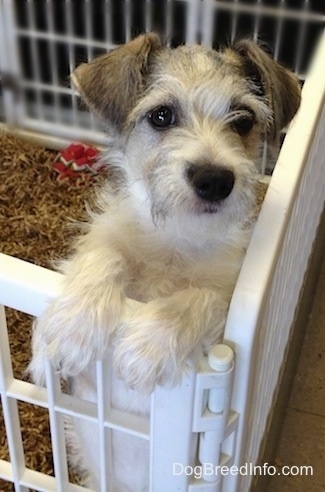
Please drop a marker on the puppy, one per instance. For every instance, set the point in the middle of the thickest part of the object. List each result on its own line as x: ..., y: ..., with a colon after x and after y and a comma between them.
x: 153, y: 275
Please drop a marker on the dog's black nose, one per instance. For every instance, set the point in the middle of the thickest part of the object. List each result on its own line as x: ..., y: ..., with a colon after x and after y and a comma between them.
x: 211, y: 184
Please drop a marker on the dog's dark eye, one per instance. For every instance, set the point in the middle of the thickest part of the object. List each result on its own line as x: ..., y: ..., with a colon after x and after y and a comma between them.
x: 162, y: 117
x: 243, y: 124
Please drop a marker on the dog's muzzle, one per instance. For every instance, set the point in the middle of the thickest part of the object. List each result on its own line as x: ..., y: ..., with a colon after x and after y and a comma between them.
x: 209, y: 183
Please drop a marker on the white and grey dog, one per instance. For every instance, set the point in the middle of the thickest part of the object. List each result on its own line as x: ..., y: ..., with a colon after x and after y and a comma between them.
x: 154, y: 274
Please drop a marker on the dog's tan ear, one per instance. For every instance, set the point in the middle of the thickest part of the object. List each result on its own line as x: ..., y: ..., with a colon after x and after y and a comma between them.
x: 110, y: 84
x: 280, y: 87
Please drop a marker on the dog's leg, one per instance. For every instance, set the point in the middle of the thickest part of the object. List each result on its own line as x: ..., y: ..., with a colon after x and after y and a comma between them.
x: 77, y: 327
x: 160, y: 342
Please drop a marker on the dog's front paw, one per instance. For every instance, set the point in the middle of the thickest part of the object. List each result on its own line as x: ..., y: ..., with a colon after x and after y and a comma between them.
x: 68, y: 351
x: 165, y: 337
x: 72, y: 337
x: 153, y: 351
x: 143, y: 356
x: 68, y: 339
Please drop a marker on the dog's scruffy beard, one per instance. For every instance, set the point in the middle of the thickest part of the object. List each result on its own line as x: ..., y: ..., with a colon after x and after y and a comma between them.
x: 164, y: 199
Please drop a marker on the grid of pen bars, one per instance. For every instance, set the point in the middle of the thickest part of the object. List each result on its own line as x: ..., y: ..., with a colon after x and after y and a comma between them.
x: 194, y: 415
x: 41, y: 42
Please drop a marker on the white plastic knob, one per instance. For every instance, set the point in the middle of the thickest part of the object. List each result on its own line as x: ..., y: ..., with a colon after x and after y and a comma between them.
x: 220, y: 357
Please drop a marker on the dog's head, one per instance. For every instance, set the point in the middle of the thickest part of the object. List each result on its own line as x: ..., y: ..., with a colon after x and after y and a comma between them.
x: 190, y: 121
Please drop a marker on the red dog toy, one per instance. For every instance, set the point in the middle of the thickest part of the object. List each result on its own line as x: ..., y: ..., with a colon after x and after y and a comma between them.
x: 78, y: 163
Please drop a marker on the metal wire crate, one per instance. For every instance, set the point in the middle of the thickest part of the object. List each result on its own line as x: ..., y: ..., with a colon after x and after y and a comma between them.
x: 41, y: 42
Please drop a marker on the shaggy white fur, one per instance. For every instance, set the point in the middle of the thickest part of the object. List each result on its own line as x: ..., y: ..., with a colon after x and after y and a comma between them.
x: 151, y: 279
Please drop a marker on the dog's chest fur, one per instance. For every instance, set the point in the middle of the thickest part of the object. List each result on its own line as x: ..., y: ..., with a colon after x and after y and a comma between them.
x: 158, y: 276
x: 160, y: 261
